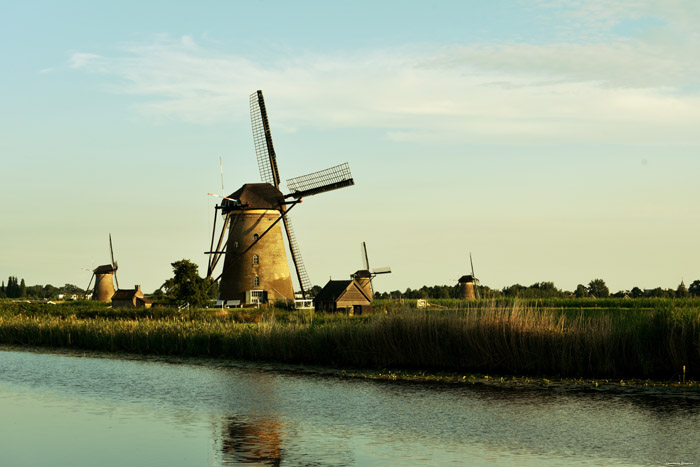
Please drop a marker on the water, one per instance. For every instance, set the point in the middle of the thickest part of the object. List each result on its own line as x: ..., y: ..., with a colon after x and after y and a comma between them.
x: 62, y: 410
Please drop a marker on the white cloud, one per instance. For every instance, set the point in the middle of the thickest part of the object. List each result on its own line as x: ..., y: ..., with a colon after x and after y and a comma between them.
x: 82, y: 60
x: 622, y: 89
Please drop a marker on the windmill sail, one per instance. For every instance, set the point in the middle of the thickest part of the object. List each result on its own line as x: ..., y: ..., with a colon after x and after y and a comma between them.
x: 329, y: 179
x: 365, y: 258
x: 114, y: 263
x: 302, y: 276
x: 262, y: 138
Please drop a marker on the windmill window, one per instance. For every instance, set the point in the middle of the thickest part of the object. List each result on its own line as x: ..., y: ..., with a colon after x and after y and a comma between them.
x: 256, y: 259
x: 256, y: 237
x: 256, y: 282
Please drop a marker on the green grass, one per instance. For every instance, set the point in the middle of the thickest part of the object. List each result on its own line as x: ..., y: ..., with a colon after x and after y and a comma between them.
x: 595, y: 338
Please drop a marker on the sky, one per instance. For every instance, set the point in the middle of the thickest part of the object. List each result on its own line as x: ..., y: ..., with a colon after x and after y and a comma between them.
x: 554, y: 140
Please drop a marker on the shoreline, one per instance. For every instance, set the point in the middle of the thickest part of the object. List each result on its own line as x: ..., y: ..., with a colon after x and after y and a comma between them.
x: 689, y: 389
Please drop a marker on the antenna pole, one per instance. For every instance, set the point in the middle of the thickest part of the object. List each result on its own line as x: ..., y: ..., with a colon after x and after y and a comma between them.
x: 221, y: 168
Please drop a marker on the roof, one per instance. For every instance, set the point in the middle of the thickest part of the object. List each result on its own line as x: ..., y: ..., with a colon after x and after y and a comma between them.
x: 259, y: 196
x: 104, y: 269
x: 129, y: 294
x: 467, y: 278
x: 332, y: 290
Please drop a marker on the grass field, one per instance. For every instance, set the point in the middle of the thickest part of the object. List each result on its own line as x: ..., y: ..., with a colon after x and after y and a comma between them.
x: 604, y: 338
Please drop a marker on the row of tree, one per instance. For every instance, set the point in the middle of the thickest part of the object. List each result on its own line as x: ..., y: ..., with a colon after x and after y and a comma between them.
x: 186, y: 286
x: 18, y: 289
x: 595, y: 288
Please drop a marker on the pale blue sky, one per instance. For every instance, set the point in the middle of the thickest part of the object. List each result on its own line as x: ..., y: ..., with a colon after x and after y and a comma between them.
x: 555, y: 140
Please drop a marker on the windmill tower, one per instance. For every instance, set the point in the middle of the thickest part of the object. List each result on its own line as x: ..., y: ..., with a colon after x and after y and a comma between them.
x: 364, y: 276
x: 469, y: 284
x: 255, y: 266
x: 104, y: 286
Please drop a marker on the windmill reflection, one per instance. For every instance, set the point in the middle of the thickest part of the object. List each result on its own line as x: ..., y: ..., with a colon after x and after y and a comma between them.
x: 251, y: 442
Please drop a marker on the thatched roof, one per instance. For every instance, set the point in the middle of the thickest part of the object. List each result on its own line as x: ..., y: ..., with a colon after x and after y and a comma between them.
x: 259, y: 196
x: 467, y: 278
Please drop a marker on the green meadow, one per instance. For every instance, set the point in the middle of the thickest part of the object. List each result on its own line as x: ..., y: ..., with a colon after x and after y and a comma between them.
x: 568, y: 338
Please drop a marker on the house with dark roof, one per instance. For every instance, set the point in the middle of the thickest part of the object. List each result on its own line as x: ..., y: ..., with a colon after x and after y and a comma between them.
x: 345, y: 295
x: 130, y: 298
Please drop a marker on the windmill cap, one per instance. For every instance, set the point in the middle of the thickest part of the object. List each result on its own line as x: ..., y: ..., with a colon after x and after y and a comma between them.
x: 258, y: 196
x: 104, y: 269
x: 362, y: 273
x: 467, y: 278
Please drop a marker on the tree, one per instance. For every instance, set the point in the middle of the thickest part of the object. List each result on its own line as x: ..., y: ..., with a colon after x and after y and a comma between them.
x: 636, y: 292
x: 581, y: 291
x: 598, y: 288
x: 13, y: 289
x: 186, y: 286
x: 22, y: 289
x: 694, y: 288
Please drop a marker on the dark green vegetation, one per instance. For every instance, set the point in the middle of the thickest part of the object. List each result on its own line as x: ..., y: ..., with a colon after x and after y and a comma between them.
x: 576, y: 338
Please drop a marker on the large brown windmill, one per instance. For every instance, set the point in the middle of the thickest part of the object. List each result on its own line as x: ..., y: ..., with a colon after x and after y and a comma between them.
x: 255, y: 266
x: 104, y: 286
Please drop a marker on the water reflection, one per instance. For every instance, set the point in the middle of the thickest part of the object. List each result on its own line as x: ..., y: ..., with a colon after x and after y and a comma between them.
x: 251, y: 442
x: 223, y: 413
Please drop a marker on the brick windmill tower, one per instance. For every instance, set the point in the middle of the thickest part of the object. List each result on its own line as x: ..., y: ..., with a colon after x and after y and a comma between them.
x: 469, y: 284
x: 364, y: 277
x: 103, y: 275
x: 255, y: 266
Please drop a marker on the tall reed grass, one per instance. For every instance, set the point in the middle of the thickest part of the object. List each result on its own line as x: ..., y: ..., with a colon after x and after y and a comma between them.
x: 493, y: 337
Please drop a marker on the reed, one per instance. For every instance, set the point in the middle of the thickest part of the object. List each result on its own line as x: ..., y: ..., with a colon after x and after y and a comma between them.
x: 489, y: 337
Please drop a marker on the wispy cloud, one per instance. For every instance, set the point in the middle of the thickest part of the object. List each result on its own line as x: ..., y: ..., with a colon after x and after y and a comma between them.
x: 605, y: 88
x: 82, y: 60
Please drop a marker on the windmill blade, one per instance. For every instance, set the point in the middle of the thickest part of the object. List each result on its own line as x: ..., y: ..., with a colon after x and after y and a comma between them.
x: 302, y: 276
x: 476, y: 282
x: 111, y: 250
x: 314, y: 183
x: 383, y: 270
x: 115, y: 265
x: 365, y: 258
x: 90, y: 283
x: 262, y: 139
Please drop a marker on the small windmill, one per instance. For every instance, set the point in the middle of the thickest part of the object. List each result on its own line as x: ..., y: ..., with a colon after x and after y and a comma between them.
x: 364, y: 276
x: 469, y: 284
x: 255, y: 266
x: 104, y: 287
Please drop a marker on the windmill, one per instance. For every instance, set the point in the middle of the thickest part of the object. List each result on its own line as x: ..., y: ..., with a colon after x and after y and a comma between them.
x: 469, y: 284
x: 364, y: 276
x: 255, y: 266
x: 104, y: 287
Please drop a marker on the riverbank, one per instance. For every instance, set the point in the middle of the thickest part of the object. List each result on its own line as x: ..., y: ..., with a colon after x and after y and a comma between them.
x: 614, y: 344
x: 690, y: 390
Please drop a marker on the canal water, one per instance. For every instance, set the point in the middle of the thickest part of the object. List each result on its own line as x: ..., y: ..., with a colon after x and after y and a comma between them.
x: 64, y: 410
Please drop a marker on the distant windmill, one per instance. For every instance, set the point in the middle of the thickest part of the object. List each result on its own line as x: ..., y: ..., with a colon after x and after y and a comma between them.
x: 469, y: 284
x: 364, y: 276
x: 104, y: 287
x: 255, y: 266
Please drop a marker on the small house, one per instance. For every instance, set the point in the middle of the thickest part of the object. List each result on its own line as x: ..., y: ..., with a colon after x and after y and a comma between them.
x: 130, y: 298
x: 345, y: 295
